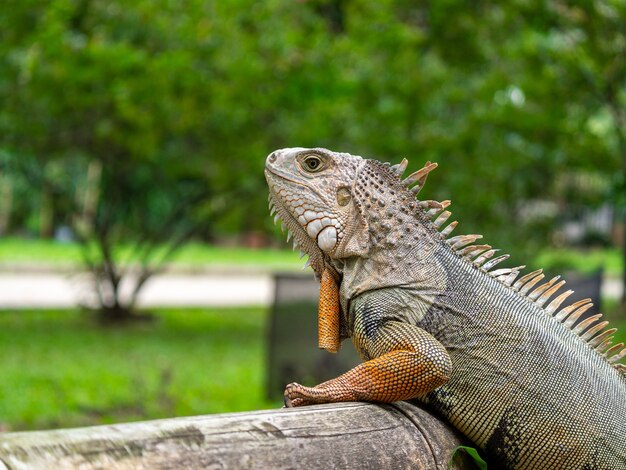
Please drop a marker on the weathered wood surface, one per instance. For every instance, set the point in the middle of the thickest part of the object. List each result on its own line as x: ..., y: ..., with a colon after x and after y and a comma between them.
x: 349, y: 435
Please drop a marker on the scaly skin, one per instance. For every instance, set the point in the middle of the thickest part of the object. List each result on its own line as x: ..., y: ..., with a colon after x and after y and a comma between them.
x: 491, y: 351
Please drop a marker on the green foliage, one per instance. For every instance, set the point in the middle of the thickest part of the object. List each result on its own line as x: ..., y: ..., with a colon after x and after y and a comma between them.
x: 477, y: 460
x: 506, y: 96
x: 189, y: 362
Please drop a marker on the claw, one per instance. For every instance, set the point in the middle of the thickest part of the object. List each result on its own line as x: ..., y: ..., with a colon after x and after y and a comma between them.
x: 298, y: 395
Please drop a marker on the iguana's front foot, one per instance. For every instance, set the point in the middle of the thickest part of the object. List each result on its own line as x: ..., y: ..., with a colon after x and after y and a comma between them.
x: 293, y: 395
x: 327, y: 392
x: 394, y: 376
x: 298, y: 395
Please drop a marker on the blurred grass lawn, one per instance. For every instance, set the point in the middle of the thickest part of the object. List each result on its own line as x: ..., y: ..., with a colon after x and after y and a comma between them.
x: 59, y: 369
x: 16, y: 250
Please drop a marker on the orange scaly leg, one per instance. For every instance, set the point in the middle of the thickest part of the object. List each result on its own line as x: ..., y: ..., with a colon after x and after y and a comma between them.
x: 411, y: 363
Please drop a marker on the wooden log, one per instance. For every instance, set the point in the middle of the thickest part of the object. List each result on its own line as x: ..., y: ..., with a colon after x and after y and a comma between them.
x: 345, y: 435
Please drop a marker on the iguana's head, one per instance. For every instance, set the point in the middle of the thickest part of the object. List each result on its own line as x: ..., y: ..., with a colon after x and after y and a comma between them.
x: 312, y: 191
x: 338, y: 205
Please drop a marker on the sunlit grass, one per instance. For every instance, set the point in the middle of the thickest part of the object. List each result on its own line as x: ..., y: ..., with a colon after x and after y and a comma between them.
x: 16, y: 250
x: 32, y: 250
x: 585, y: 261
x: 59, y: 369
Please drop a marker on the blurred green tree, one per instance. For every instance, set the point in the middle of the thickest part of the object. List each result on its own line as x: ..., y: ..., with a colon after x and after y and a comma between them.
x: 99, y: 106
x: 570, y: 60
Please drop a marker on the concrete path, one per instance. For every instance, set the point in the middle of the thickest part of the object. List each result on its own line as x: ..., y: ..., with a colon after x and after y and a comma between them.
x: 50, y: 290
x: 64, y: 290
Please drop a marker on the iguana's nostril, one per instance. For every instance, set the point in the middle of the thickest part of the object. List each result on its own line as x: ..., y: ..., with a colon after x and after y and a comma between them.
x: 272, y: 157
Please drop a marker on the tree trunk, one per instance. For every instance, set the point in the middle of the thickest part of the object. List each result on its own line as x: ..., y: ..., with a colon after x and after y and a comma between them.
x: 6, y: 203
x: 87, y: 199
x: 344, y: 435
x: 46, y: 213
x: 624, y: 260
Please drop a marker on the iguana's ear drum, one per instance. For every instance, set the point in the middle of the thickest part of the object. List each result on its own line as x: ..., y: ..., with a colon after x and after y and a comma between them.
x: 343, y: 196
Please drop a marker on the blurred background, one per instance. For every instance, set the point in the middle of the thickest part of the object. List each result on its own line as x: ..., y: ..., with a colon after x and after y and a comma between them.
x: 137, y: 255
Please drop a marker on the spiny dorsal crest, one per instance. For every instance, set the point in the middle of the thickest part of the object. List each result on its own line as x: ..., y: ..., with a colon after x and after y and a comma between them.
x: 590, y: 330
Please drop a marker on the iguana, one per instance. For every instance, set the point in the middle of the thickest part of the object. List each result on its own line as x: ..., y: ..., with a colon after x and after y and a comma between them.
x: 493, y: 351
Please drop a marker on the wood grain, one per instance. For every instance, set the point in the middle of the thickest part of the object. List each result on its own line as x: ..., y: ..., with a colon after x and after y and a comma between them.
x: 345, y: 435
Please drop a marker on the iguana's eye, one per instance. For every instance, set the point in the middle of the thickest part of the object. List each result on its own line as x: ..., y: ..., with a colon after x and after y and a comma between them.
x: 312, y: 163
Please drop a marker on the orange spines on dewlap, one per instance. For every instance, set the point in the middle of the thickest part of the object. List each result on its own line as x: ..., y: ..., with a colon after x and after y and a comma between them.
x: 328, y: 322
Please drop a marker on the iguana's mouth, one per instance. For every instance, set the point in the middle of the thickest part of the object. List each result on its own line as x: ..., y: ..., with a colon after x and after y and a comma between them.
x: 301, y: 240
x: 269, y: 170
x: 275, y: 172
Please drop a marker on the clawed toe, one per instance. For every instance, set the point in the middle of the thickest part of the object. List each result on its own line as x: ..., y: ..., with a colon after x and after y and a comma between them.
x: 296, y: 395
